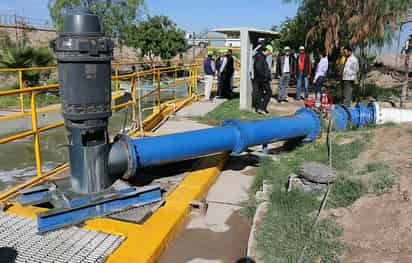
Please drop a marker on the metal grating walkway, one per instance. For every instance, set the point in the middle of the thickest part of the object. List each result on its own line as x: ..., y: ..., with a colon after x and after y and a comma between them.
x: 71, y: 244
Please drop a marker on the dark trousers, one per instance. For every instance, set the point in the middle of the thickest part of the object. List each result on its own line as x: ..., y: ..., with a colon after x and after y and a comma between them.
x: 319, y: 83
x: 261, y: 94
x: 219, y: 87
x: 226, y: 90
x: 347, y: 92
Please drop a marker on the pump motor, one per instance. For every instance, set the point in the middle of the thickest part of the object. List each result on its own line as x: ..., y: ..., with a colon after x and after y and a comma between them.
x: 84, y: 57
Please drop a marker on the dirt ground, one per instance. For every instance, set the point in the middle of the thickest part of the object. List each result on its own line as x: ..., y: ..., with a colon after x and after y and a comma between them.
x: 379, y: 228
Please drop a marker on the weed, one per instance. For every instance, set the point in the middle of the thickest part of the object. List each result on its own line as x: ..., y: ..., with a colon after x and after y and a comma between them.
x: 383, y: 183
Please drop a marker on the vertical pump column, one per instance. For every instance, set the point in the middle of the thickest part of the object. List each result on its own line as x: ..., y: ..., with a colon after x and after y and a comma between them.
x: 84, y: 65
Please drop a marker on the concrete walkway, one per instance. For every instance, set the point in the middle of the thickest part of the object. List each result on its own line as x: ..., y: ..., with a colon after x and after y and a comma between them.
x: 221, y: 235
x: 201, y: 108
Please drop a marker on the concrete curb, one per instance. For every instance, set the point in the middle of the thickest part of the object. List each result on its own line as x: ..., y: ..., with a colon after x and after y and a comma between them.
x: 252, y: 252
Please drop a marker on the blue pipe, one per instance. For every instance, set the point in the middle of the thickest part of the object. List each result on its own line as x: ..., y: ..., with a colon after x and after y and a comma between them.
x: 358, y: 116
x: 233, y: 136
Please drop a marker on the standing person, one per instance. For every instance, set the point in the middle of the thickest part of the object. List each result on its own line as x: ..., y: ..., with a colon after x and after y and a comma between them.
x: 303, y: 71
x: 231, y: 72
x: 284, y: 70
x: 219, y: 63
x: 350, y: 75
x: 340, y: 63
x: 320, y: 75
x: 209, y: 69
x: 226, y: 73
x: 261, y: 81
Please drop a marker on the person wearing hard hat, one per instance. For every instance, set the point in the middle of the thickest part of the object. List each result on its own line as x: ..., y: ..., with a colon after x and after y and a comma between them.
x: 221, y: 75
x: 284, y: 71
x: 303, y: 71
x: 262, y: 76
x: 219, y: 63
x: 209, y: 69
x: 226, y: 73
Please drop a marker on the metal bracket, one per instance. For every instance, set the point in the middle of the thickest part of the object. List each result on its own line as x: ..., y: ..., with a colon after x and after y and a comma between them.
x: 91, y: 207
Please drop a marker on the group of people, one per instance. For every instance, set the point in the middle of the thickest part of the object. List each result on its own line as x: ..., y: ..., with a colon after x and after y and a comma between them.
x: 288, y: 66
x: 224, y: 68
x: 300, y: 67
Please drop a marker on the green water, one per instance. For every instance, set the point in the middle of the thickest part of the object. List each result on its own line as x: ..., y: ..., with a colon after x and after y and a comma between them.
x: 17, y: 161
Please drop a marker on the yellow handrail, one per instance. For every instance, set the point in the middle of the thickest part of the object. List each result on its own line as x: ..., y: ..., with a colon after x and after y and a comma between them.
x: 36, y: 130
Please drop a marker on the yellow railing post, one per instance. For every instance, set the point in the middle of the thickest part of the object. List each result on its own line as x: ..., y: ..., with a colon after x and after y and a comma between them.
x: 21, y: 86
x: 117, y: 84
x: 158, y: 90
x: 190, y: 80
x: 175, y: 75
x: 36, y: 135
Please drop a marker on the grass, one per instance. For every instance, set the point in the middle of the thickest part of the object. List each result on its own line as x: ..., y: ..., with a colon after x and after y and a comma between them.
x: 288, y: 224
x: 229, y: 110
x: 410, y: 131
x: 372, y: 90
x: 383, y: 178
x: 42, y: 100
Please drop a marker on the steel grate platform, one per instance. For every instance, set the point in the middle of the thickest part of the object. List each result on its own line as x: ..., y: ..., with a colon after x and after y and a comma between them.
x: 71, y: 244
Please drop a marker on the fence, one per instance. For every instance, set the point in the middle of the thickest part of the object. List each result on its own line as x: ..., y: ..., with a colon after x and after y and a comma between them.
x: 133, y: 78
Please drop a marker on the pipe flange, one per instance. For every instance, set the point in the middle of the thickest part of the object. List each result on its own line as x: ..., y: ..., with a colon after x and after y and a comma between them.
x: 128, y: 145
x: 241, y: 140
x: 376, y: 111
x: 341, y: 116
x: 363, y: 115
x: 315, y: 131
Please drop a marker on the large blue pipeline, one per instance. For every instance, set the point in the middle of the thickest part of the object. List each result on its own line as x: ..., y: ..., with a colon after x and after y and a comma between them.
x: 234, y: 136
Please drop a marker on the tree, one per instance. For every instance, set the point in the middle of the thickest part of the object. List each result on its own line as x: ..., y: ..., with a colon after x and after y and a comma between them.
x: 158, y: 36
x: 352, y: 22
x: 117, y: 16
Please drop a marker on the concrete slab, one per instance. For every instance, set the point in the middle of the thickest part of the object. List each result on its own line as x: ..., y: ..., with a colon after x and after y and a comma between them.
x: 215, y: 219
x: 201, y: 108
x: 222, y: 234
x: 177, y: 124
x: 231, y: 188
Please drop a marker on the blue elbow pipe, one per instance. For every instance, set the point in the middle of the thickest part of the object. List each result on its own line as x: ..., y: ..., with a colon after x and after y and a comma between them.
x: 233, y: 136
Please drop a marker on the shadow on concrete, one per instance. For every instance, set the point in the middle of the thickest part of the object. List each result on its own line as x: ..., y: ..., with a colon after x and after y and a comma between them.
x: 239, y: 163
x: 149, y: 174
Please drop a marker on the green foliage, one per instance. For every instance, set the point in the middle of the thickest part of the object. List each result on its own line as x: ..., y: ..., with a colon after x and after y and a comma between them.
x: 230, y: 110
x: 24, y: 57
x: 330, y: 24
x: 371, y: 91
x: 117, y: 16
x: 158, y: 36
x: 383, y: 183
x: 346, y: 191
x: 288, y: 224
x: 382, y: 177
x: 43, y: 99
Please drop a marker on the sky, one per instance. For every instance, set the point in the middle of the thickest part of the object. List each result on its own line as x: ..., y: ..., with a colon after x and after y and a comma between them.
x: 191, y: 15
